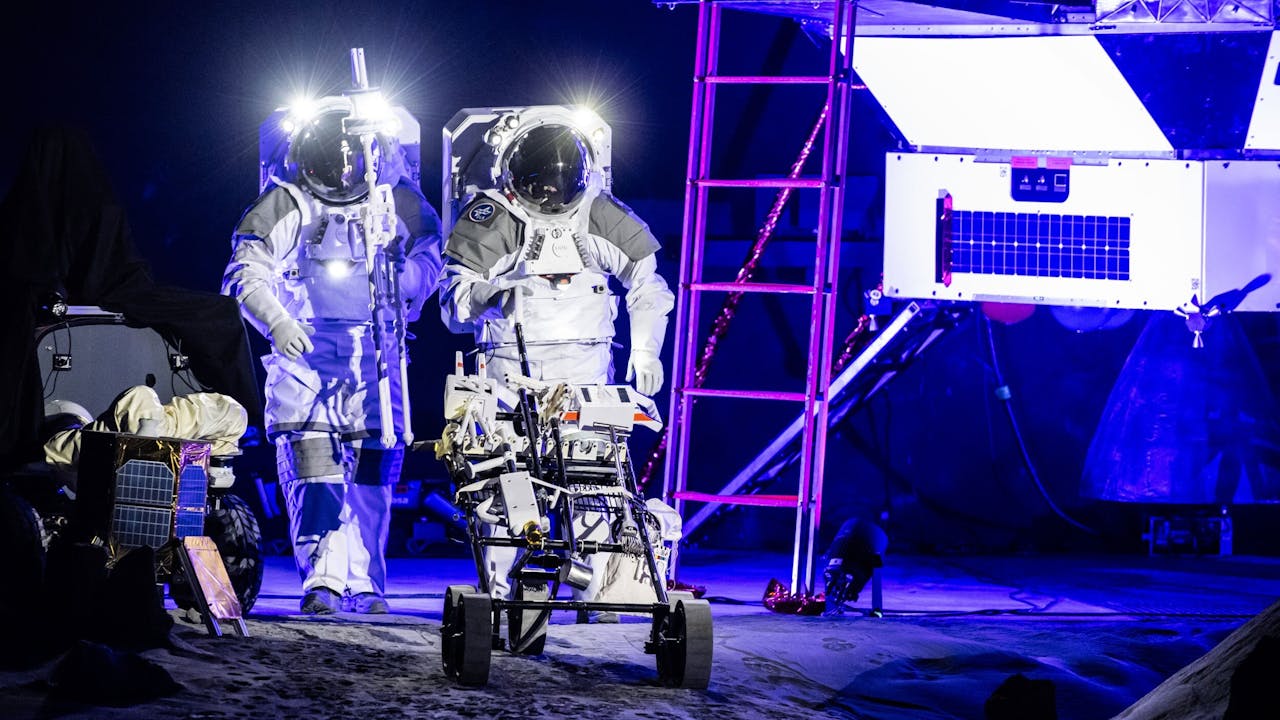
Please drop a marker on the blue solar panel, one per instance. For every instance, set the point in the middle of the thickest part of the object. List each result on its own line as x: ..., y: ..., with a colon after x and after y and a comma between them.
x: 144, y: 482
x: 135, y: 526
x: 192, y: 486
x: 143, y: 512
x: 1037, y: 245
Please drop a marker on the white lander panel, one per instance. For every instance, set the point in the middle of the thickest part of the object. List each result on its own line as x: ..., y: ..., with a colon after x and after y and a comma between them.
x: 1127, y: 233
x: 1040, y: 92
x: 1264, y: 126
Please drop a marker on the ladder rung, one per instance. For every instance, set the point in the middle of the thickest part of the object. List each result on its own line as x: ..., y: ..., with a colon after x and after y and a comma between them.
x: 763, y: 183
x: 737, y: 287
x: 767, y: 79
x: 762, y: 500
x: 745, y: 394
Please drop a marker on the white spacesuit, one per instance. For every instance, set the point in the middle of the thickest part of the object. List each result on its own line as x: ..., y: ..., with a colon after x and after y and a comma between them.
x: 540, y: 250
x: 299, y: 271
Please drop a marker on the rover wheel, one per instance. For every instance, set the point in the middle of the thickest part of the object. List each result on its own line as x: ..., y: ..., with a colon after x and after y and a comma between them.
x: 467, y: 637
x: 685, y: 645
x: 449, y: 632
x: 452, y: 596
x: 22, y: 544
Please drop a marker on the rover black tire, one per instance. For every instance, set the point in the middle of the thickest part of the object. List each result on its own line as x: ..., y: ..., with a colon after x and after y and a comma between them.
x: 467, y: 638
x: 685, y: 645
x: 21, y: 544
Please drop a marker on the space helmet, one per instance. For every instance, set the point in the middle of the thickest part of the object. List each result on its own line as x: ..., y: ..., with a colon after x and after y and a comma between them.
x: 329, y: 162
x: 547, y: 168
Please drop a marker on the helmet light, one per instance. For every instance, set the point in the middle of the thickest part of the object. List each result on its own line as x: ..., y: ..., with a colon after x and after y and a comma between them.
x: 585, y: 117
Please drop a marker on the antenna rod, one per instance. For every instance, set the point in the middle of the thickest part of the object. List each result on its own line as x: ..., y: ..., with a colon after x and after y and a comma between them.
x: 359, y: 76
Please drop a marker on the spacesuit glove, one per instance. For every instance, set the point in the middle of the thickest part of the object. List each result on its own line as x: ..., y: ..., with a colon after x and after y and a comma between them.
x: 291, y: 338
x: 288, y: 336
x: 645, y: 369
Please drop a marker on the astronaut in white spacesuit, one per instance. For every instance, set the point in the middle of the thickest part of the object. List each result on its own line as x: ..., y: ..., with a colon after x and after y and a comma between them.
x: 540, y: 250
x: 299, y: 269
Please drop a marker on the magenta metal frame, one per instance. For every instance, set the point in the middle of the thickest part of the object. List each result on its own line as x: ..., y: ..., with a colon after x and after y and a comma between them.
x: 687, y: 378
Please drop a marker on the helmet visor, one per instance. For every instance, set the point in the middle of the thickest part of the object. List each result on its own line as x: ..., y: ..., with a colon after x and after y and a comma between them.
x: 547, y: 168
x: 330, y: 162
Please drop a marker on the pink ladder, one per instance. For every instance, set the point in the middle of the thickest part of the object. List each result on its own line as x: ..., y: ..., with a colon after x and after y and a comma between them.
x: 687, y: 381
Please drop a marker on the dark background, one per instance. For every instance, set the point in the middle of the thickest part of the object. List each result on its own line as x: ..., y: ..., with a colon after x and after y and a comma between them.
x: 173, y: 96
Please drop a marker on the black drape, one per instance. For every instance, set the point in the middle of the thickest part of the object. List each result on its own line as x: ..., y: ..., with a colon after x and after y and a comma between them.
x: 63, y: 230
